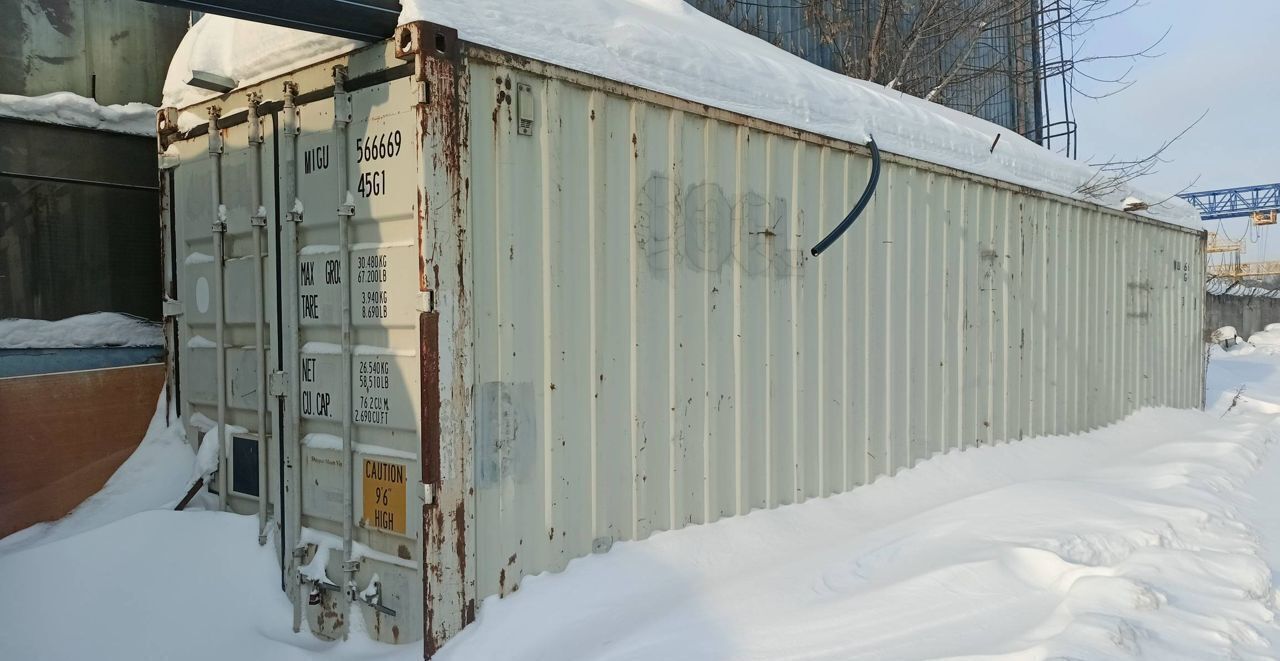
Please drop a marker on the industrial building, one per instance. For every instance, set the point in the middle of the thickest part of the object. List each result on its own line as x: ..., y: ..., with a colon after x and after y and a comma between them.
x: 1000, y: 69
x: 78, y: 195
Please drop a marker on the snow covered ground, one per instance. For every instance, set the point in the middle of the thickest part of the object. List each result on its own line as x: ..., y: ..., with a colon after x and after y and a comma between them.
x: 1155, y: 538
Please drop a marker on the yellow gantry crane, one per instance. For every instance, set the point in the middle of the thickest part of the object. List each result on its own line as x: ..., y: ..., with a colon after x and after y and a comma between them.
x: 1247, y: 270
x: 1257, y: 203
x: 1216, y: 244
x: 1238, y: 271
x: 1260, y: 204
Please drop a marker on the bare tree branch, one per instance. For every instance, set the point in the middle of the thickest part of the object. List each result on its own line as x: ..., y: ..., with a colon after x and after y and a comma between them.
x: 1114, y: 175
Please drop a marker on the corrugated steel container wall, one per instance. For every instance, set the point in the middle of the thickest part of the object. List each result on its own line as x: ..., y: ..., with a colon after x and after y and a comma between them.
x: 655, y: 346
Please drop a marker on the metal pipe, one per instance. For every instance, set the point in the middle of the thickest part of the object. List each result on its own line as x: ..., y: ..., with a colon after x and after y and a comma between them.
x: 341, y: 128
x: 78, y: 182
x: 259, y: 222
x: 219, y: 230
x: 365, y: 20
x: 289, y: 305
x: 857, y: 208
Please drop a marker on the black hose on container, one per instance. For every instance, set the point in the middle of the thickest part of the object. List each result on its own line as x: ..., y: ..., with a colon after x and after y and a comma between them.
x: 857, y: 208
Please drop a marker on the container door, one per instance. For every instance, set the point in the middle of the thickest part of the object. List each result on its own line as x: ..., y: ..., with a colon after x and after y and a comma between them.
x: 223, y: 229
x: 355, y: 296
x: 326, y: 179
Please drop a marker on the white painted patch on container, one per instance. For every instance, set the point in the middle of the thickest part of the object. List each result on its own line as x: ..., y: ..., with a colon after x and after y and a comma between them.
x: 202, y: 294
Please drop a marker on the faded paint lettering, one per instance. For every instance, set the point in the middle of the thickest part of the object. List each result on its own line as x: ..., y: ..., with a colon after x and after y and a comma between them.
x: 701, y: 228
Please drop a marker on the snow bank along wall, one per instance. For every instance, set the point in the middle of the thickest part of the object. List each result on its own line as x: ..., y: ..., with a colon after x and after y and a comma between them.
x: 512, y: 314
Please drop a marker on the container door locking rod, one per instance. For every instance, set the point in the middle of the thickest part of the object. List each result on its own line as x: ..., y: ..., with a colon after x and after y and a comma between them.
x: 857, y: 208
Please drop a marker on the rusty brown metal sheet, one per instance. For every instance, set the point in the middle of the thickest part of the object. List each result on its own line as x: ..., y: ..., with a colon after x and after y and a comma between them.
x: 63, y: 435
x: 429, y: 330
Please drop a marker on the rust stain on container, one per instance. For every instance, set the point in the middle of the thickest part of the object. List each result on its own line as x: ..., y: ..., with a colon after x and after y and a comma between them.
x: 429, y: 345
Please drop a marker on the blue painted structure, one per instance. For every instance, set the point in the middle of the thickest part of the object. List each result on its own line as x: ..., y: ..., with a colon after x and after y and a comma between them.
x: 1234, y: 202
x: 25, y: 362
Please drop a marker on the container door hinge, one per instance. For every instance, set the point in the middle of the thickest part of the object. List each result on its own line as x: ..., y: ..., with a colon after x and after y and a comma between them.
x: 255, y: 128
x: 277, y: 384
x: 351, y: 566
x: 220, y: 221
x: 347, y: 210
x: 342, y: 108
x: 422, y: 89
x: 171, y: 308
x: 341, y: 100
x: 215, y: 136
x: 428, y: 494
x: 426, y: 301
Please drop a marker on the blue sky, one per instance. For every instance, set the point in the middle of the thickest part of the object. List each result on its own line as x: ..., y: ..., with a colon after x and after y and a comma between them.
x: 1222, y: 56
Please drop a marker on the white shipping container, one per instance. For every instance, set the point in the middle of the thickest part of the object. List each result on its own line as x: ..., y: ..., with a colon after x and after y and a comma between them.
x: 490, y: 314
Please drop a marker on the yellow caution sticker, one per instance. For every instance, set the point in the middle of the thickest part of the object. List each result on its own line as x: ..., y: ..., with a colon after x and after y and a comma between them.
x: 385, y: 495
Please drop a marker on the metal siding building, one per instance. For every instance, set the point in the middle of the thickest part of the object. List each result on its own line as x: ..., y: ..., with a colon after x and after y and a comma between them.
x: 582, y: 312
x: 109, y: 51
x: 77, y: 231
x: 1000, y: 83
x: 76, y: 204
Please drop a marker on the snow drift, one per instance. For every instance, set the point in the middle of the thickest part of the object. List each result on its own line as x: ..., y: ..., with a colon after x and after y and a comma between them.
x: 1124, y: 543
x: 667, y: 46
x: 154, y: 476
x: 1154, y: 538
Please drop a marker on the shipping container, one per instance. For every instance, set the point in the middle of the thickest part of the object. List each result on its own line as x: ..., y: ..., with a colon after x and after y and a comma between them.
x: 469, y: 315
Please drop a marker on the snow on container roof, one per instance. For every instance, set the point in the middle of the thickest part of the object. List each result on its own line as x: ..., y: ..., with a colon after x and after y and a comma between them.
x: 245, y: 52
x: 669, y: 47
x: 68, y: 109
